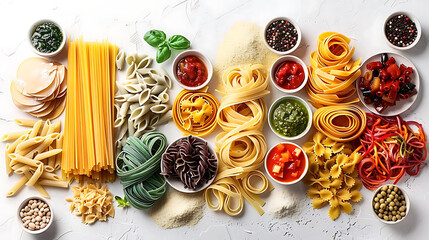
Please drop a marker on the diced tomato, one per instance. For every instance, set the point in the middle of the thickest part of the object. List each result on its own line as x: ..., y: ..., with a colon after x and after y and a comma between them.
x: 286, y: 155
x: 298, y: 163
x: 276, y: 168
x: 294, y: 174
x: 296, y: 152
x: 280, y: 147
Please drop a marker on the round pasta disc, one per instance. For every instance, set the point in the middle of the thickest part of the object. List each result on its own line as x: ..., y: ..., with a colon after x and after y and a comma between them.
x: 58, y: 109
x: 47, y: 108
x: 33, y: 75
x: 403, y: 104
x: 48, y: 93
x: 20, y: 98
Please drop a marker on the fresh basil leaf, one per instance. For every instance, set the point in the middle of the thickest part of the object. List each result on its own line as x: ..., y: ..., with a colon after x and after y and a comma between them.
x: 122, y: 202
x: 163, y: 53
x: 179, y: 42
x: 155, y: 37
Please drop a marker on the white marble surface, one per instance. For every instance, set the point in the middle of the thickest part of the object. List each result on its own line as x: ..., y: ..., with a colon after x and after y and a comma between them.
x: 205, y: 23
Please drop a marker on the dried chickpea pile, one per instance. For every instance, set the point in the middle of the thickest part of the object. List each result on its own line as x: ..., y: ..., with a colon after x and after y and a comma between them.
x: 389, y: 203
x: 35, y: 215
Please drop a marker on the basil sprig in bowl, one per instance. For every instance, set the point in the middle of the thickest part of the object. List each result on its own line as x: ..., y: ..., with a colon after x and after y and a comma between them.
x: 158, y: 39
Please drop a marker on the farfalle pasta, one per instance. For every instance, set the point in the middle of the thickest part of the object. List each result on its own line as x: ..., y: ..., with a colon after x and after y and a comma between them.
x: 332, y: 174
x: 194, y: 112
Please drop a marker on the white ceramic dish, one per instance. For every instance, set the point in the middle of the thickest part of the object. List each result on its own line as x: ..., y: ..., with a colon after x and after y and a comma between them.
x: 281, y: 60
x: 403, y: 104
x: 177, y: 184
x: 203, y: 58
x: 287, y: 183
x: 23, y: 203
x: 407, y: 204
x: 52, y: 54
x: 310, y: 117
x: 418, y: 26
x: 298, y: 40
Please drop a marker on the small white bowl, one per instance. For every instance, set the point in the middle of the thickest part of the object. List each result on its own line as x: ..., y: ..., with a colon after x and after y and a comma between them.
x: 24, y: 203
x: 418, y: 26
x: 281, y: 60
x: 287, y: 183
x: 310, y: 117
x: 407, y: 204
x: 298, y: 40
x: 203, y: 58
x: 52, y: 54
x: 177, y: 184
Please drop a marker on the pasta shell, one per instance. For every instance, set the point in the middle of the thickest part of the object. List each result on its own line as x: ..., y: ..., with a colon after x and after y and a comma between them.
x: 154, y: 99
x: 143, y: 61
x: 144, y: 96
x: 334, y: 212
x: 133, y: 88
x: 131, y: 71
x: 130, y: 59
x: 157, y: 89
x: 163, y: 96
x: 123, y: 98
x: 118, y: 122
x: 120, y: 60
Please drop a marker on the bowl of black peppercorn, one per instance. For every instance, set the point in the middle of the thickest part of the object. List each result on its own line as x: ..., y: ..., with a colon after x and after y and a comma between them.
x: 282, y: 35
x: 402, y: 30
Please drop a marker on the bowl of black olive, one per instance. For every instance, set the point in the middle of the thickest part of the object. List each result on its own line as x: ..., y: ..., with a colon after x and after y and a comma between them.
x: 47, y: 38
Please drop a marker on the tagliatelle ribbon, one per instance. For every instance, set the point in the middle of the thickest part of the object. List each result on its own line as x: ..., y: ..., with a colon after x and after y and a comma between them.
x: 194, y: 112
x: 241, y: 148
x: 341, y: 123
x: 332, y: 71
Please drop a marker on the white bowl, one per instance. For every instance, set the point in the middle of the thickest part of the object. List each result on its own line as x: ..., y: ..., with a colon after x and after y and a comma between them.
x: 23, y: 203
x: 310, y: 117
x: 281, y: 60
x: 407, y: 204
x: 298, y: 40
x: 418, y: 26
x: 287, y: 183
x: 177, y: 184
x: 203, y: 58
x: 403, y: 104
x: 52, y: 54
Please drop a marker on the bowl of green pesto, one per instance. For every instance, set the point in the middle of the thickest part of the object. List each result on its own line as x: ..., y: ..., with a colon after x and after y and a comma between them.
x: 47, y: 38
x: 290, y: 117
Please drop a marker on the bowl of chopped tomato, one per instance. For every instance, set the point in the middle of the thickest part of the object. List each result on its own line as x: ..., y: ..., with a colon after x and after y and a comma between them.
x: 289, y: 74
x: 286, y: 163
x: 192, y: 70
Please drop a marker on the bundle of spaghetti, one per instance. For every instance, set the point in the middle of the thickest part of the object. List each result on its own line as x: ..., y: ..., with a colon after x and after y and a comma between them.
x: 241, y: 147
x: 194, y: 112
x: 342, y: 122
x: 332, y: 71
x: 88, y: 132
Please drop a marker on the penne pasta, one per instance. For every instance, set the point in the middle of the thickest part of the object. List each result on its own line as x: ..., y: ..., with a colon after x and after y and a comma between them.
x: 45, y: 128
x: 48, y: 154
x: 18, y: 186
x: 36, y: 175
x: 25, y: 122
x: 35, y: 131
x: 14, y: 135
x: 54, y: 183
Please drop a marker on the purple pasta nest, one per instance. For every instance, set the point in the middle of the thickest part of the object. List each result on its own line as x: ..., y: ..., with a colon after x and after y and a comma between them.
x: 190, y: 160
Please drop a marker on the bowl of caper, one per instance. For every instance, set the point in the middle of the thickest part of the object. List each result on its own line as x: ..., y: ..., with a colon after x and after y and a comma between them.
x: 390, y: 204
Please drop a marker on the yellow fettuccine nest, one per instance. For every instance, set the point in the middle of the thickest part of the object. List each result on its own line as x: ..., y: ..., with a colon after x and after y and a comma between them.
x: 341, y: 123
x: 332, y: 71
x: 332, y: 174
x: 194, y: 112
x: 241, y: 147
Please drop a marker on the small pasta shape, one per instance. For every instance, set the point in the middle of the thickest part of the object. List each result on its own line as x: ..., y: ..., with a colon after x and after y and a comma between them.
x: 120, y: 60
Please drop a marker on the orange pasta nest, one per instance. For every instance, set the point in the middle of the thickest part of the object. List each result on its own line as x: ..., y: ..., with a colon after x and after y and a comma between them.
x: 332, y: 71
x: 341, y: 123
x: 194, y: 112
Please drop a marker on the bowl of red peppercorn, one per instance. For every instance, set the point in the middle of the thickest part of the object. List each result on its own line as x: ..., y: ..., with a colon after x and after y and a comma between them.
x: 402, y: 31
x: 282, y: 35
x: 289, y: 74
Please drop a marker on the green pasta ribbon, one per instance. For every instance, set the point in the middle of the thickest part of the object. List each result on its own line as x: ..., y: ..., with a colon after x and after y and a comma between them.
x: 138, y: 167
